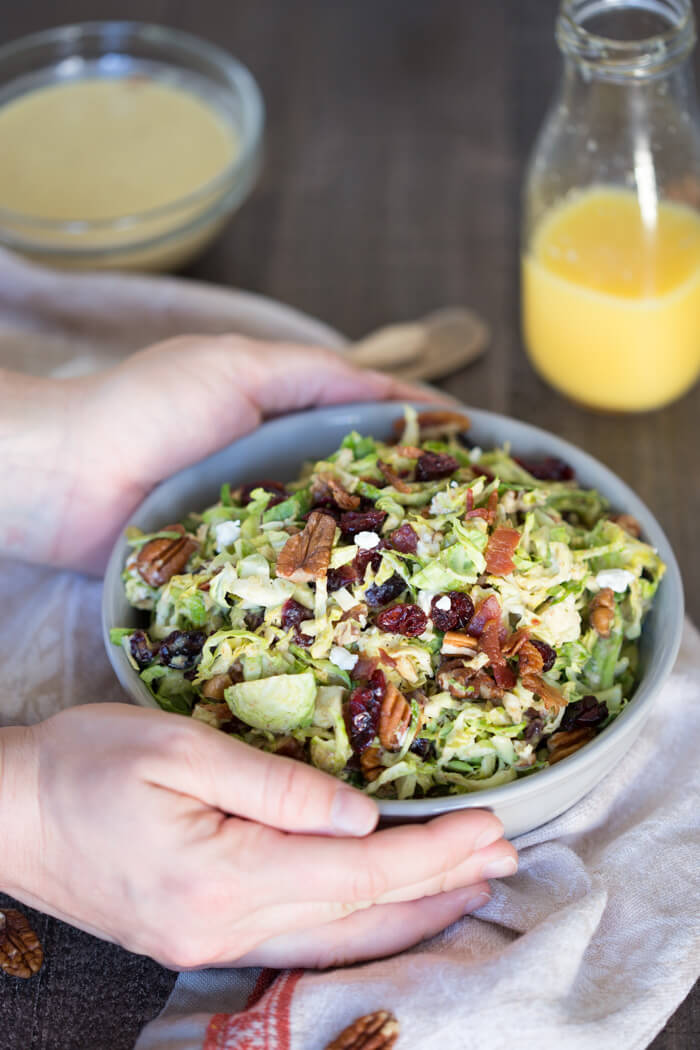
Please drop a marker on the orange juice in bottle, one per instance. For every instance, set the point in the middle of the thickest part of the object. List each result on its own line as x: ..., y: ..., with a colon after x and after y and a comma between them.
x: 611, y: 308
x: 611, y: 254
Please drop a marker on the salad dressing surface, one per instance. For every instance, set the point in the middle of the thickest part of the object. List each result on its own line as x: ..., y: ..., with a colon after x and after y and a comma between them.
x: 611, y: 300
x: 102, y: 148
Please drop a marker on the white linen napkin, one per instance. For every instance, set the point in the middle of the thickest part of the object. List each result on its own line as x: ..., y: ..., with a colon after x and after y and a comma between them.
x: 592, y: 945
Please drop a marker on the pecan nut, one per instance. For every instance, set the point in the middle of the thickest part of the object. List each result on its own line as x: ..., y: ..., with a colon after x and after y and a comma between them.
x: 563, y: 744
x: 21, y: 954
x: 306, y: 555
x: 602, y: 611
x: 215, y: 687
x: 371, y: 764
x: 392, y: 477
x: 161, y: 559
x: 394, y: 718
x: 376, y: 1031
x: 326, y: 487
x: 629, y: 524
x: 454, y: 642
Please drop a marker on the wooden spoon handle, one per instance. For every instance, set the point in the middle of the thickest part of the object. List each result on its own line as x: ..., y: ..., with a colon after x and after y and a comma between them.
x: 389, y: 348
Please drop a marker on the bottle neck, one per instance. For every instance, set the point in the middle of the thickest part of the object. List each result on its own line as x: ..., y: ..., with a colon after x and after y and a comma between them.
x: 627, y: 42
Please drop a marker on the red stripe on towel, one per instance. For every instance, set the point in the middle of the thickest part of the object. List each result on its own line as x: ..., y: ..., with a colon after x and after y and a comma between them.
x: 263, y: 1025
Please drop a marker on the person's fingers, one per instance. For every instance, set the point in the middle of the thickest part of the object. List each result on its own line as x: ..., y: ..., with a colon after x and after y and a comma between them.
x: 383, y: 867
x: 384, y: 929
x: 270, y: 789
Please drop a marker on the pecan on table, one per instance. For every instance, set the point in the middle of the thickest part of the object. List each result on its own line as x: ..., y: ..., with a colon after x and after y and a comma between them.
x: 602, y: 611
x: 563, y: 744
x: 160, y: 559
x: 306, y: 555
x: 21, y: 955
x: 394, y: 718
x: 376, y: 1031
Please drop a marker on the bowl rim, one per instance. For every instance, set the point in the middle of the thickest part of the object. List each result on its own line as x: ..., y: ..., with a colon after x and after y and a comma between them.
x: 547, y: 779
x: 118, y: 33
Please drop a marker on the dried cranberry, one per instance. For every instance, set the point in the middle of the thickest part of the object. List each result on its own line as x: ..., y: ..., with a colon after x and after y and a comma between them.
x: 337, y: 578
x: 140, y: 649
x: 422, y: 747
x: 433, y: 465
x: 364, y: 558
x: 403, y: 539
x: 275, y: 488
x: 383, y: 593
x: 548, y: 654
x: 181, y: 649
x: 362, y: 712
x: 403, y: 619
x: 551, y: 468
x: 588, y: 711
x: 534, y: 727
x: 457, y: 616
x: 354, y: 521
x: 293, y: 613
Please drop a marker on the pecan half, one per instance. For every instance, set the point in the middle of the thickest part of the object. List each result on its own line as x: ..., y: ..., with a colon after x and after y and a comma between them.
x: 376, y: 1031
x: 327, y: 487
x: 306, y: 555
x: 629, y: 524
x: 392, y: 477
x: 214, y: 687
x: 394, y: 718
x: 458, y: 642
x: 159, y: 560
x: 371, y: 764
x: 602, y: 611
x: 562, y: 744
x: 552, y: 699
x: 21, y: 955
x: 437, y: 422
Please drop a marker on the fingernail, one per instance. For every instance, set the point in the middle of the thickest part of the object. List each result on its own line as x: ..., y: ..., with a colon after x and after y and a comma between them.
x: 472, y: 901
x: 491, y: 834
x: 352, y: 813
x: 499, y: 868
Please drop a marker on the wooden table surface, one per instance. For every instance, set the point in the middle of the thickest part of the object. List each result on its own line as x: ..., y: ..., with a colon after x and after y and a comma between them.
x: 397, y: 135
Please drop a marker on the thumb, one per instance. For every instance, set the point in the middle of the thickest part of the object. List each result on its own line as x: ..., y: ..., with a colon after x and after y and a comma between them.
x: 203, y: 762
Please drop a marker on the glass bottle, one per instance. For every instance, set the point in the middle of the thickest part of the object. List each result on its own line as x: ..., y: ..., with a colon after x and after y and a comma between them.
x: 611, y: 238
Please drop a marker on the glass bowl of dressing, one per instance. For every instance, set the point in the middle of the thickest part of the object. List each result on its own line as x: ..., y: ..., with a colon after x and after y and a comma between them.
x: 124, y: 145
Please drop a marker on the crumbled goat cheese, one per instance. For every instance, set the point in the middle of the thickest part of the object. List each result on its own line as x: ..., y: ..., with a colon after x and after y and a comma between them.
x: 342, y: 658
x: 618, y: 579
x: 226, y: 532
x: 366, y: 541
x: 444, y: 603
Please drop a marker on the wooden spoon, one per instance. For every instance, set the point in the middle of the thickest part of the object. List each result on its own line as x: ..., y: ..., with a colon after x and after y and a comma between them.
x: 437, y: 345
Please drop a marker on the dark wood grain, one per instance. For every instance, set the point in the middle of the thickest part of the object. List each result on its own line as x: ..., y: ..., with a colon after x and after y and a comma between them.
x: 397, y: 138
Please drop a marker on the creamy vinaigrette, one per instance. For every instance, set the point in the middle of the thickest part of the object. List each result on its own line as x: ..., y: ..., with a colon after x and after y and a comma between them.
x: 611, y: 308
x: 103, y: 148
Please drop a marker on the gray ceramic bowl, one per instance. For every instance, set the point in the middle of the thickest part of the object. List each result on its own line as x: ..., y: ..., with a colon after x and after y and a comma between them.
x: 278, y: 449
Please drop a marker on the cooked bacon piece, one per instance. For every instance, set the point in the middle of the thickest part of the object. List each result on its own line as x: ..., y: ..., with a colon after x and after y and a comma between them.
x: 489, y: 643
x: 488, y: 513
x: 531, y: 660
x: 464, y: 682
x: 364, y: 668
x: 488, y: 609
x: 551, y: 697
x: 516, y: 641
x: 500, y: 549
x: 392, y: 477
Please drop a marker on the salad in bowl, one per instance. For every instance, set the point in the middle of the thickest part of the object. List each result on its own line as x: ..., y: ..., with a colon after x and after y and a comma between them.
x: 419, y: 617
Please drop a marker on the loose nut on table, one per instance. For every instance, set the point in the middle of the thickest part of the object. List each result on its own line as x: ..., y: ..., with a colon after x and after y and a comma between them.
x: 21, y: 954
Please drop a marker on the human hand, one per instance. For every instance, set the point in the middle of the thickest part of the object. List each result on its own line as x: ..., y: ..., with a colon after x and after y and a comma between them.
x: 79, y: 455
x: 117, y: 820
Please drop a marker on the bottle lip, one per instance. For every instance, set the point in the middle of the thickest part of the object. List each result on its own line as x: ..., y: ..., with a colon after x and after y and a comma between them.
x: 636, y: 59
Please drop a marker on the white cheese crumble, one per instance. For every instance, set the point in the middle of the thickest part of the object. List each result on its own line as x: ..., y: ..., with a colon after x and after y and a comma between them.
x: 226, y: 533
x: 475, y: 454
x: 441, y: 503
x: 617, y: 579
x: 342, y: 658
x: 444, y: 603
x: 367, y: 541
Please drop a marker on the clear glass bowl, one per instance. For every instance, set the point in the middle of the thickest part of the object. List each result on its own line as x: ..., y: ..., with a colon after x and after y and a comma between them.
x: 161, y: 238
